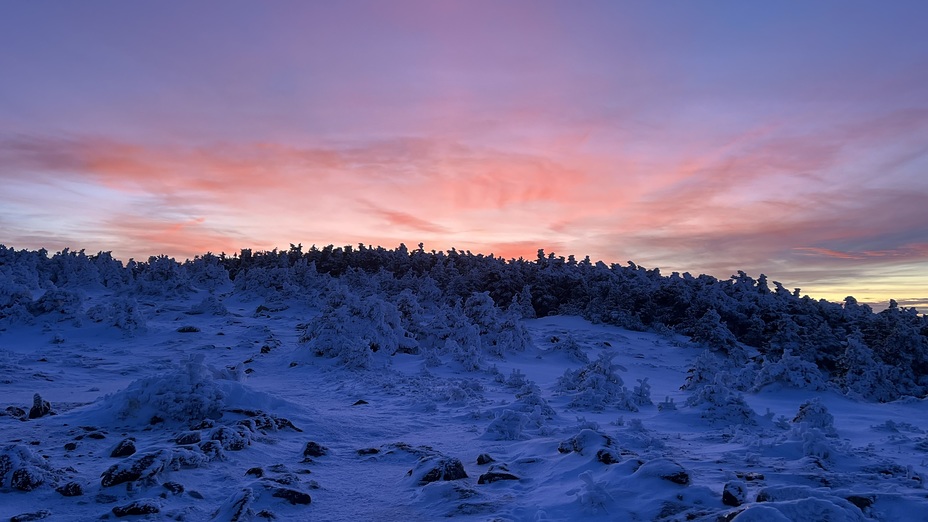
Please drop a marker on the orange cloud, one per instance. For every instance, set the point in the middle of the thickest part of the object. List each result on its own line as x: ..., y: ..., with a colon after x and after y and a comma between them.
x: 177, y: 238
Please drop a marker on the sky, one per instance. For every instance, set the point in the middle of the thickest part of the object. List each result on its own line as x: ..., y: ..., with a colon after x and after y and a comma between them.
x: 784, y: 138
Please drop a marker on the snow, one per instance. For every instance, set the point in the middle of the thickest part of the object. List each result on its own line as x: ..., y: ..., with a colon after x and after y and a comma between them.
x: 399, y: 392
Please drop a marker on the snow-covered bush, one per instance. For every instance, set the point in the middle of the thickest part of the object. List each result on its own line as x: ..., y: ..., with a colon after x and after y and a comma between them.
x: 570, y: 347
x: 211, y: 305
x: 594, y: 497
x: 711, y: 331
x: 530, y: 400
x: 64, y: 303
x: 207, y: 272
x: 641, y: 394
x: 596, y: 385
x: 122, y: 312
x: 720, y: 404
x: 22, y: 469
x: 703, y: 371
x: 865, y: 376
x: 516, y: 379
x: 352, y: 328
x: 499, y: 331
x: 187, y: 394
x: 814, y: 414
x: 161, y: 276
x: 790, y: 370
x: 15, y: 299
x: 465, y: 347
x: 508, y: 426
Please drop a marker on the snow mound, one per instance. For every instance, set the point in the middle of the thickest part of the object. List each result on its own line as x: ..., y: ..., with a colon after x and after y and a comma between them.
x: 185, y: 395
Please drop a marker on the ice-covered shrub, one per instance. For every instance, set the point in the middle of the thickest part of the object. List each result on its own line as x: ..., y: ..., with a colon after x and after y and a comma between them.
x: 507, y: 426
x: 15, y: 299
x: 815, y: 444
x: 65, y: 303
x: 530, y: 400
x: 641, y: 395
x: 790, y: 370
x: 464, y: 348
x: 499, y: 331
x: 711, y: 369
x: 412, y: 315
x: 667, y: 405
x: 814, y: 414
x: 571, y: 348
x: 210, y: 305
x: 22, y: 469
x: 865, y: 375
x: 122, y: 312
x: 161, y: 276
x: 516, y: 379
x: 187, y: 394
x: 595, y: 385
x: 207, y: 272
x: 594, y: 497
x: 703, y: 371
x: 352, y: 328
x: 720, y: 404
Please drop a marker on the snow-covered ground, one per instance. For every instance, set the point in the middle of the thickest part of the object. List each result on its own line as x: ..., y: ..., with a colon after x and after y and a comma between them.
x: 232, y: 416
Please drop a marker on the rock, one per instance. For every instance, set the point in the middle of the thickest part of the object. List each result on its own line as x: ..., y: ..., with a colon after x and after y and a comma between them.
x: 35, y: 515
x: 665, y: 469
x: 236, y: 508
x: 257, y: 472
x: 212, y: 449
x: 314, y: 449
x: 204, y: 424
x: 266, y: 514
x: 287, y: 479
x: 139, y: 507
x: 360, y: 402
x: 607, y: 456
x: 484, y: 459
x: 13, y: 411
x: 70, y: 446
x: 263, y: 421
x: 751, y: 476
x: 861, y: 501
x: 125, y: 448
x: 495, y: 476
x: 293, y: 496
x: 784, y: 493
x: 96, y: 435
x: 71, y: 489
x: 734, y: 493
x: 174, y: 487
x: 190, y: 437
x: 129, y: 471
x: 368, y: 451
x: 27, y: 478
x: 6, y: 465
x: 585, y: 442
x: 40, y: 407
x: 232, y: 439
x: 442, y: 468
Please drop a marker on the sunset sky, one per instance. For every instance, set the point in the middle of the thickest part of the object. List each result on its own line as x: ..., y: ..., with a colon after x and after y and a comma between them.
x: 785, y: 138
